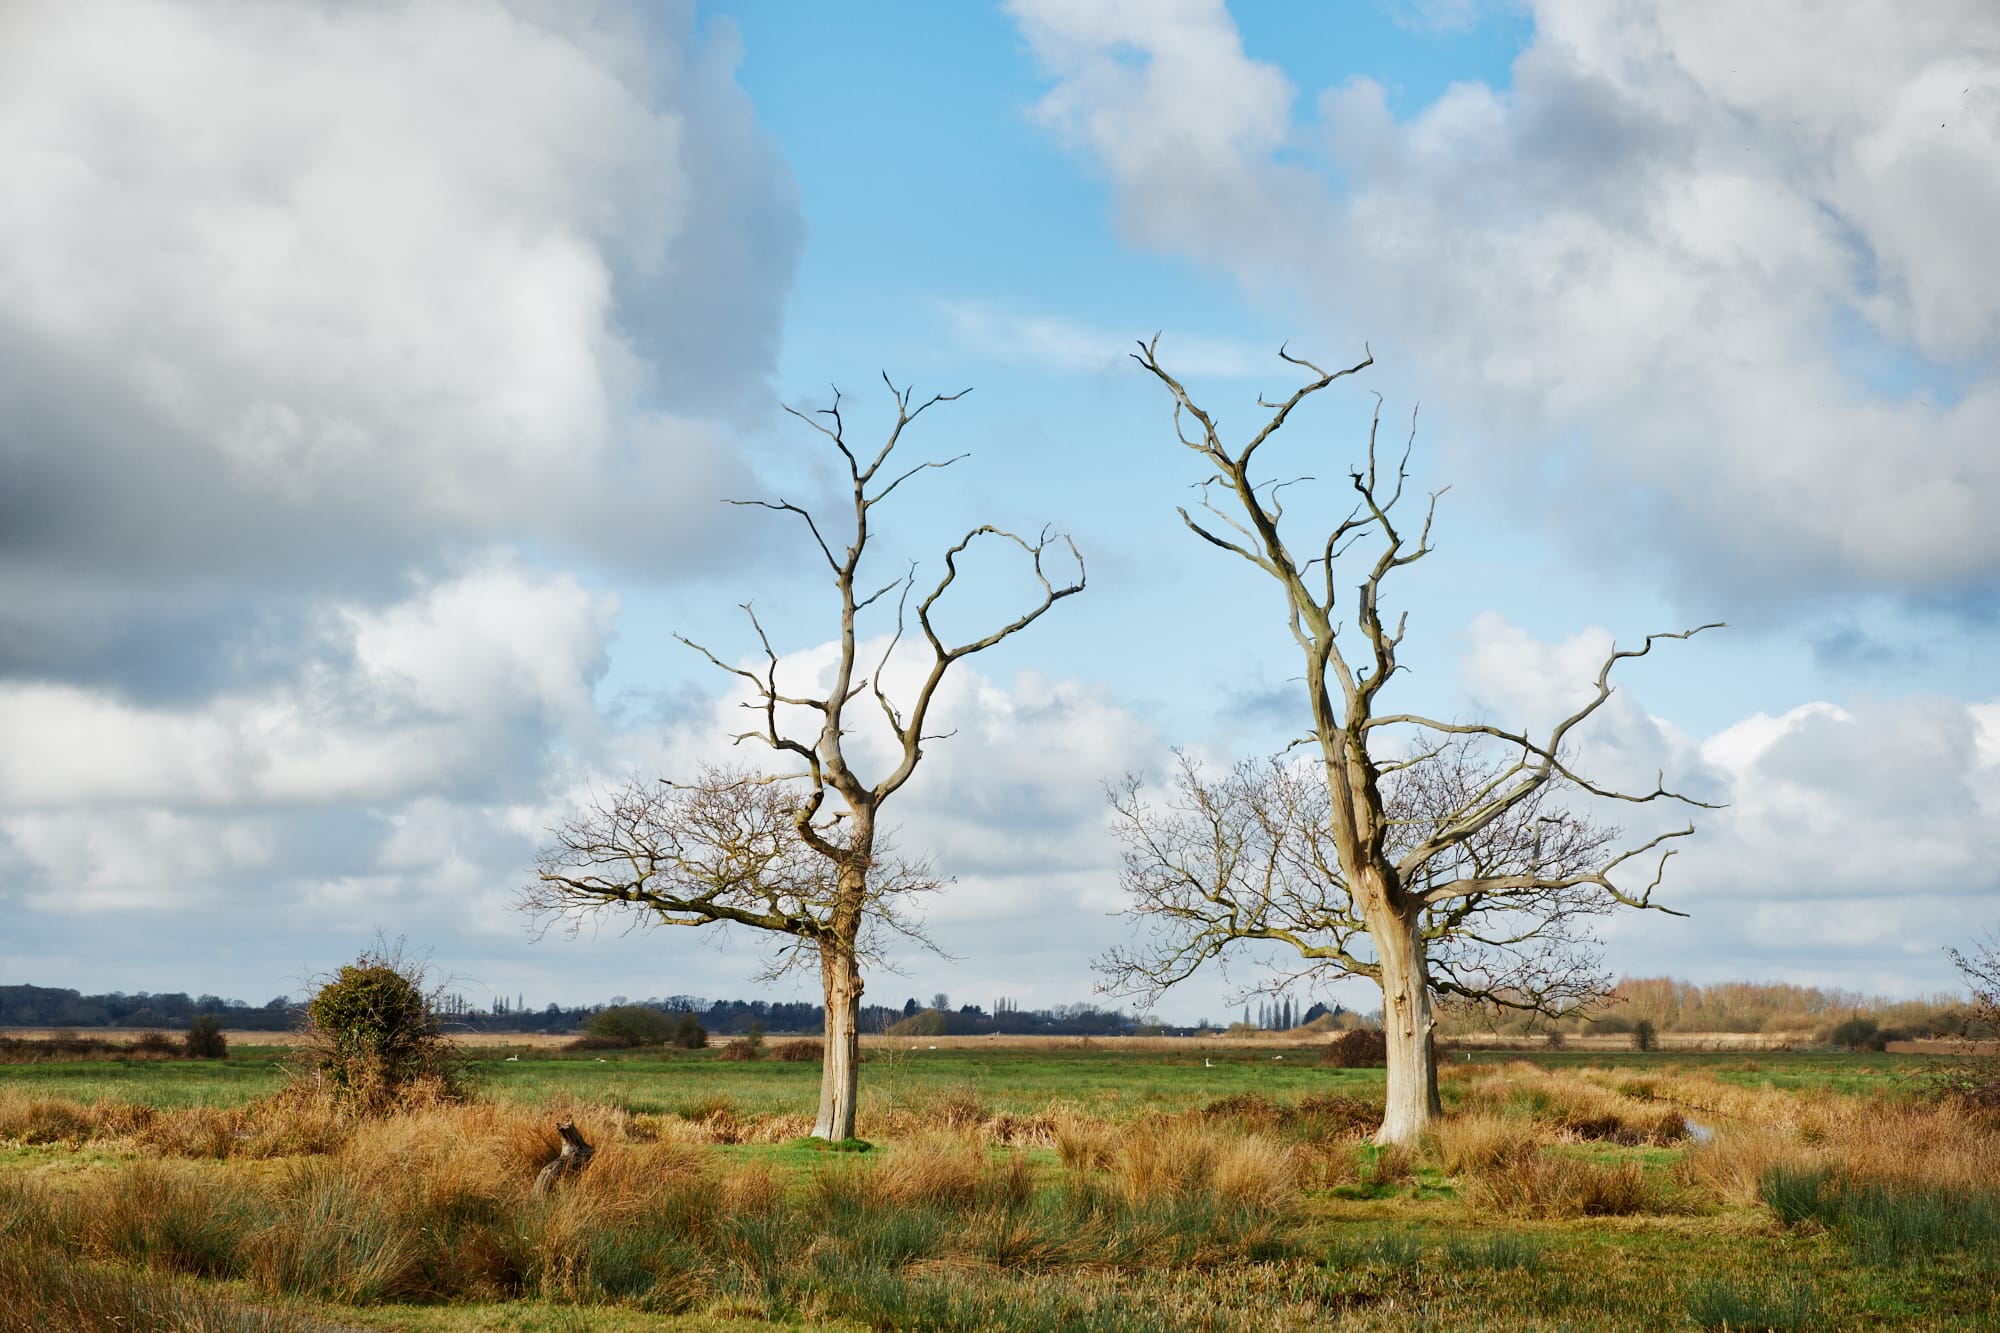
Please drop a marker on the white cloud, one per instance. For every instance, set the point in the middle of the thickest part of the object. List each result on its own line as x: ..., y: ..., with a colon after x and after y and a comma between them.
x: 1723, y: 275
x: 297, y: 297
x: 1851, y: 844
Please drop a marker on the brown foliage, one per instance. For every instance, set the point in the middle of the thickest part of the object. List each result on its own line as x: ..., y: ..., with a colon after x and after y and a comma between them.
x: 1357, y: 1048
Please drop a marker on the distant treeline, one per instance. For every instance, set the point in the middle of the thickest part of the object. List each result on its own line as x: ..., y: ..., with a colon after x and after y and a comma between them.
x: 50, y: 1007
x: 1667, y: 1004
x: 1732, y: 1006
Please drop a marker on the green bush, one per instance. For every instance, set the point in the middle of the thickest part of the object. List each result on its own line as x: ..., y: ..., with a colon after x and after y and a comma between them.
x: 373, y: 1038
x: 628, y: 1025
x: 1645, y: 1037
x: 1857, y: 1034
x: 204, y: 1039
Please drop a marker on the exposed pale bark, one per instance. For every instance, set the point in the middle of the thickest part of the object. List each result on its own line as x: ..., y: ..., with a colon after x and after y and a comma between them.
x: 840, y: 1068
x: 800, y: 854
x: 1478, y: 860
x: 1409, y: 1031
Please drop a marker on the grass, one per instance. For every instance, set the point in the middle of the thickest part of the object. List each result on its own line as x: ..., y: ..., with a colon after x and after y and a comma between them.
x: 1089, y: 1187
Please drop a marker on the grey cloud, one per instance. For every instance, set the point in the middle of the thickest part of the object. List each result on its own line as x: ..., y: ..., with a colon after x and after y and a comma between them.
x: 307, y: 301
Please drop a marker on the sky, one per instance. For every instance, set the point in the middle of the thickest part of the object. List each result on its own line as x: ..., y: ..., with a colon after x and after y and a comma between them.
x: 372, y: 378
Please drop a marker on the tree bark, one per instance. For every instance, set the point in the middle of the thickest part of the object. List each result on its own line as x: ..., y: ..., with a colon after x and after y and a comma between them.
x: 840, y: 975
x: 1408, y: 1027
x: 575, y: 1156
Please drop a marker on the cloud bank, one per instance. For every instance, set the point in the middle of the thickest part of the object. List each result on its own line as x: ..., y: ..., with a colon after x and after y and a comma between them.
x: 1675, y: 284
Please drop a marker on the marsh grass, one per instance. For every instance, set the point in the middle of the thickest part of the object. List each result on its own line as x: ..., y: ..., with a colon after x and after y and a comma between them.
x: 1748, y: 1306
x: 42, y: 1290
x: 434, y: 1206
x: 987, y: 1202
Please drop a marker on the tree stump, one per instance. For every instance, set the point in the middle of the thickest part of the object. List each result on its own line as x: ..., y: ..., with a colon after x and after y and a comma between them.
x: 575, y: 1156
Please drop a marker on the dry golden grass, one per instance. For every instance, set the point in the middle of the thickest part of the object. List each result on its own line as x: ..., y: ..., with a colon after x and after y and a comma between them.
x: 1477, y: 1141
x: 1576, y: 1105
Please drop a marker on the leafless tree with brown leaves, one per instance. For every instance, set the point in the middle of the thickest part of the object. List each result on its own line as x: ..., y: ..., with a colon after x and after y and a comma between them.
x: 1481, y: 851
x: 801, y: 852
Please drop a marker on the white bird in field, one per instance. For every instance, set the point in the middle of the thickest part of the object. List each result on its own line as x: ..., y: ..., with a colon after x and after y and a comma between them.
x: 513, y: 1059
x: 601, y: 1060
x: 1207, y: 1063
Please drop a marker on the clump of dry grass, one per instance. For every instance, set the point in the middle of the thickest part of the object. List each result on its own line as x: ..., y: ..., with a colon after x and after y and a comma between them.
x: 1939, y: 1146
x: 1184, y: 1159
x: 1083, y: 1143
x: 1473, y: 1142
x: 1557, y: 1184
x: 1572, y: 1105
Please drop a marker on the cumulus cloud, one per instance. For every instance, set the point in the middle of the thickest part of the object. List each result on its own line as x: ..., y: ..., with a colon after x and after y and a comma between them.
x: 1676, y: 277
x: 296, y: 299
x: 455, y: 696
x: 1850, y: 841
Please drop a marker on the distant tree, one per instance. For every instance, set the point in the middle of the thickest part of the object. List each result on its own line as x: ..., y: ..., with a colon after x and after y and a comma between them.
x: 1645, y: 1036
x: 910, y: 1006
x: 628, y: 1025
x: 801, y: 854
x: 1495, y: 862
x: 204, y: 1039
x: 1859, y: 1033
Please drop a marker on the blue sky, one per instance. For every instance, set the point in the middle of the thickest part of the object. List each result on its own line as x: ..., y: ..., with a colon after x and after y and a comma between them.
x: 373, y: 379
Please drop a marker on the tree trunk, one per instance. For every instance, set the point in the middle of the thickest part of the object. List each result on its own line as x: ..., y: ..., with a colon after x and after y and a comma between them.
x: 1408, y: 1026
x: 840, y: 975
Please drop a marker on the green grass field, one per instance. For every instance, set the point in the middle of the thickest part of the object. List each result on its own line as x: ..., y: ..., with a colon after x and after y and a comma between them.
x: 1089, y: 1187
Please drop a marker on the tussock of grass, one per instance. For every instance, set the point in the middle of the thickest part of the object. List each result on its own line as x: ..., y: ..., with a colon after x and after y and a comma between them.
x: 42, y: 1289
x: 1549, y: 1183
x: 1721, y: 1303
x: 1572, y: 1105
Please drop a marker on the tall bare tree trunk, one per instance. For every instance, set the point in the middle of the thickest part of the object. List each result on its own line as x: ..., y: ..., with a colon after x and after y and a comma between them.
x: 840, y: 974
x: 1408, y: 1026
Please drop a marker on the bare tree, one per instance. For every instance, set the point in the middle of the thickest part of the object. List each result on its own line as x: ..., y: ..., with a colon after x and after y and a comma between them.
x: 1975, y: 1077
x: 1481, y: 856
x: 801, y: 852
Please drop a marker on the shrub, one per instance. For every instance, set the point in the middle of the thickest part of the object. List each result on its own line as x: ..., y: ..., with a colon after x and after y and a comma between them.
x: 687, y: 1033
x: 628, y: 1025
x: 373, y: 1038
x: 740, y: 1048
x: 204, y: 1039
x: 154, y: 1043
x: 1645, y: 1037
x: 1857, y: 1034
x: 1359, y: 1048
x: 923, y: 1023
x: 806, y: 1048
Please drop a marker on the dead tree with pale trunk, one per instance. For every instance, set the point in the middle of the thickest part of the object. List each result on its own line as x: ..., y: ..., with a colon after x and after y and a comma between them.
x: 1441, y: 858
x: 801, y: 852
